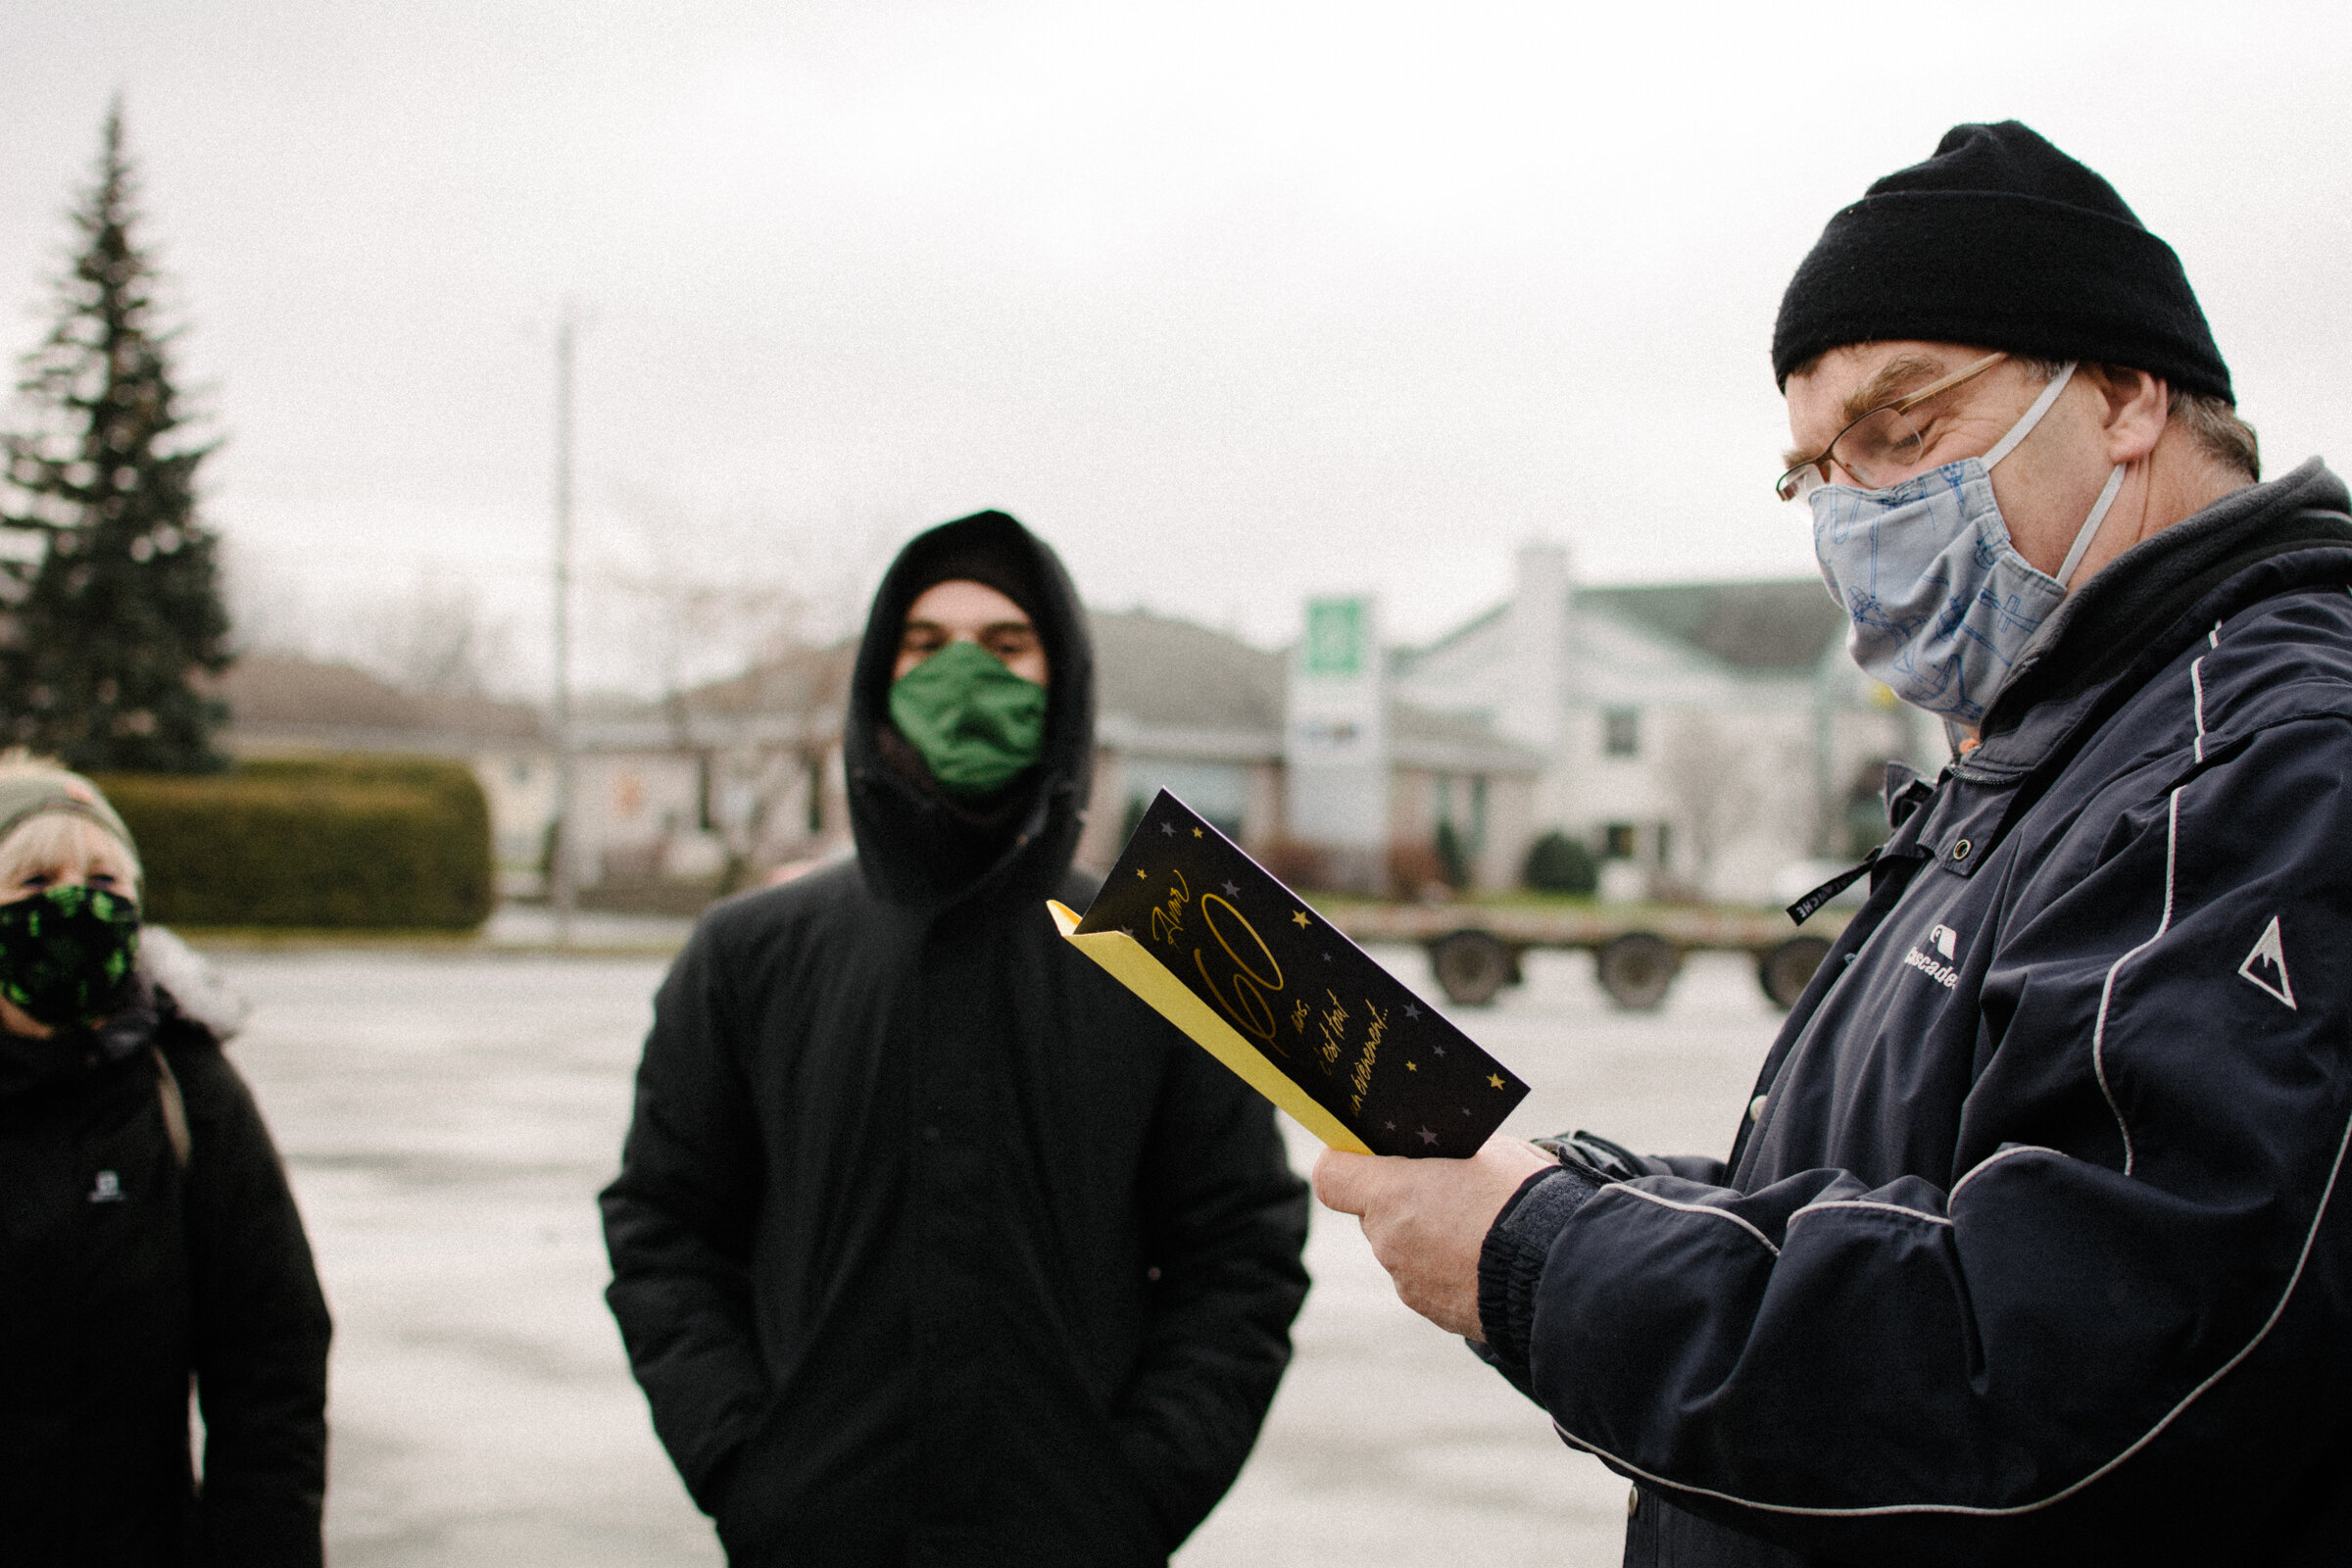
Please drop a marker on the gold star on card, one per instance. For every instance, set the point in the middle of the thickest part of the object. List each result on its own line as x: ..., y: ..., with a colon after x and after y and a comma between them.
x: 1274, y: 988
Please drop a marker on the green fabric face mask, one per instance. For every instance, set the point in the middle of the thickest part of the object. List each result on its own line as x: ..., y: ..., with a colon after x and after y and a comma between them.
x: 975, y: 722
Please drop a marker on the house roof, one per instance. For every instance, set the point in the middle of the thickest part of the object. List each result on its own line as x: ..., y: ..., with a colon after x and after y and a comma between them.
x: 1759, y: 627
x: 300, y: 700
x: 803, y: 680
x: 1163, y: 682
x: 1778, y: 627
x: 1163, y: 674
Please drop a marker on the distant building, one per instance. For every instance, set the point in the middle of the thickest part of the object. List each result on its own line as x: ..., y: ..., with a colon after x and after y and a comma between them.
x: 750, y: 770
x: 734, y: 778
x: 283, y: 705
x: 1223, y: 726
x: 741, y: 774
x: 1702, y: 736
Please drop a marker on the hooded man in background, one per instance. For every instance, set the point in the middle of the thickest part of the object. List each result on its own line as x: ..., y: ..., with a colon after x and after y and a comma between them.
x: 931, y: 1244
x: 2030, y: 1248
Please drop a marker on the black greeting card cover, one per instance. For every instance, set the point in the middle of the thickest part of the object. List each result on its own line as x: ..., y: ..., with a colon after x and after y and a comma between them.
x: 1222, y: 950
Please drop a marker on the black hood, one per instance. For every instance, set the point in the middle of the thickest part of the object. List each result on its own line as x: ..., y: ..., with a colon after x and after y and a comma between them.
x: 916, y: 848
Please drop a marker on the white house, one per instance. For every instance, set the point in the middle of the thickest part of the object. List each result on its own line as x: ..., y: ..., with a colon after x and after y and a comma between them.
x: 1702, y: 735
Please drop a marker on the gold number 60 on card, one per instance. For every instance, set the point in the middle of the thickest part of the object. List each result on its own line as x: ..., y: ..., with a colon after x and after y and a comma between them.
x: 1249, y: 985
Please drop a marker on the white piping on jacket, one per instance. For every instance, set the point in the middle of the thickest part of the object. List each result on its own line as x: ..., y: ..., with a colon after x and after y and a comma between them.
x: 1868, y: 1202
x: 2098, y: 1029
x: 1976, y: 1510
x: 2196, y: 700
x: 2196, y: 686
x: 1994, y: 1159
x: 1691, y: 1208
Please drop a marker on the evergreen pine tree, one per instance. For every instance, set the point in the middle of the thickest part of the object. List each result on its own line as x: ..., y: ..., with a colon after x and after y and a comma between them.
x: 112, y: 599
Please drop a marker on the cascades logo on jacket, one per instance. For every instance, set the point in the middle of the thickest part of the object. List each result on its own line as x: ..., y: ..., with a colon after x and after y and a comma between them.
x: 1946, y: 942
x: 2266, y: 965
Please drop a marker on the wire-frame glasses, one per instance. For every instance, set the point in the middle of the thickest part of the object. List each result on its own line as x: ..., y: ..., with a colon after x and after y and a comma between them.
x: 1880, y: 445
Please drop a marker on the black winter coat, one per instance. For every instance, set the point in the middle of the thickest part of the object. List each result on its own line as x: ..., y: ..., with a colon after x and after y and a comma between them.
x: 931, y: 1244
x: 122, y: 1276
x: 2036, y: 1246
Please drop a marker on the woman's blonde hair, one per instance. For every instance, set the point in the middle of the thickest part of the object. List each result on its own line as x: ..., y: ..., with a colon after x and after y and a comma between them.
x: 54, y: 840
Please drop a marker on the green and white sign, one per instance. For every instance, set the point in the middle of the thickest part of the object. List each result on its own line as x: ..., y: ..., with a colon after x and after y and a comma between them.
x: 1336, y: 631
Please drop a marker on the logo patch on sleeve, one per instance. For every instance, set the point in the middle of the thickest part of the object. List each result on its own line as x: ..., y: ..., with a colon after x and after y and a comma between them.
x: 2266, y: 965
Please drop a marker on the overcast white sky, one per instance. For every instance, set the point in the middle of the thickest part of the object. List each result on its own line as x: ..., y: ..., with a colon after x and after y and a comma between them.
x: 1232, y: 302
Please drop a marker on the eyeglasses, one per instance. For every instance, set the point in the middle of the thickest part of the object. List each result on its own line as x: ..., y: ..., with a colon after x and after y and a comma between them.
x: 1879, y: 446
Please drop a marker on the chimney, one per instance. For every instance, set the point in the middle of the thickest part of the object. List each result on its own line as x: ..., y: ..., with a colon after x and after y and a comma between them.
x: 1534, y: 705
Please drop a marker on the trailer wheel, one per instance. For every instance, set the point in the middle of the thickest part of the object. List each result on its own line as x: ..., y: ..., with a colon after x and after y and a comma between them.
x: 1471, y: 966
x: 1785, y: 970
x: 1637, y: 968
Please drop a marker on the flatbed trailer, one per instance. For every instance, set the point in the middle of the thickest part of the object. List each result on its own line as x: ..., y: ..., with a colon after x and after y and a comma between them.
x: 1475, y: 950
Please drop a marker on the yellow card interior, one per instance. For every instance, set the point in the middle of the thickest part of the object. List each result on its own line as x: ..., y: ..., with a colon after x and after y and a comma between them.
x: 1134, y: 968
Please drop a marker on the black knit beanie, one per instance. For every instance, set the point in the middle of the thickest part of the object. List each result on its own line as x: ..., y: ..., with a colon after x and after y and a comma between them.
x: 2003, y: 241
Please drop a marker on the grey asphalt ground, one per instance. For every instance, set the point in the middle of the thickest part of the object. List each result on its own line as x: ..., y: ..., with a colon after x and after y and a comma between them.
x: 448, y: 1118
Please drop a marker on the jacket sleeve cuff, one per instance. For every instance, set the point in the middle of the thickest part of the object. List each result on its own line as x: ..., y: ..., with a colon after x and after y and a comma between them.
x: 1511, y: 1262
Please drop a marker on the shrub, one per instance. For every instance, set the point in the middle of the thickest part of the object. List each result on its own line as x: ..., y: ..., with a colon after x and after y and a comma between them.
x: 1304, y: 866
x: 1453, y: 857
x: 335, y: 841
x: 1418, y: 871
x: 1559, y: 863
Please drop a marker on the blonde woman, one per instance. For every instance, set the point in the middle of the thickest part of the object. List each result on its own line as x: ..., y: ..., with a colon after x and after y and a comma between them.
x: 148, y: 1241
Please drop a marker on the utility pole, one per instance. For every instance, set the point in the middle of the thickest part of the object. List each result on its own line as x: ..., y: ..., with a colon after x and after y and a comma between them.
x: 562, y: 891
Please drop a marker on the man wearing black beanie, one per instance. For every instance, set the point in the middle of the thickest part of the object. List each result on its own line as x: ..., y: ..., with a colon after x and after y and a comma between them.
x: 2030, y: 1249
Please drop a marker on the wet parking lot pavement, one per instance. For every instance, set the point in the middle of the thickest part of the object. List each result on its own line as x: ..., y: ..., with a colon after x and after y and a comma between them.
x: 448, y: 1118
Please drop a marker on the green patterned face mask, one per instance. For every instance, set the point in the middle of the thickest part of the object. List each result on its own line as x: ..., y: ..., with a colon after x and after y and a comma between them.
x: 975, y: 722
x: 66, y: 954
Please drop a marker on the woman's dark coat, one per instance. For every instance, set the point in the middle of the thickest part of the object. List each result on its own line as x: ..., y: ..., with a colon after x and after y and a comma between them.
x: 122, y: 1275
x: 931, y: 1244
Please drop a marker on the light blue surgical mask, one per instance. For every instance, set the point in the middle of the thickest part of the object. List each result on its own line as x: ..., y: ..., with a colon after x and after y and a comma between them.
x: 1942, y: 603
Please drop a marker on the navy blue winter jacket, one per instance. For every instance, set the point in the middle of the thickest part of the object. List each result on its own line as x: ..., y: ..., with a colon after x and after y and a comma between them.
x: 2032, y: 1247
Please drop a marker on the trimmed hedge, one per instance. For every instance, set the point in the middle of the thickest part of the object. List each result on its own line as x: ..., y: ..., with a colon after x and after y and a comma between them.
x: 398, y: 842
x: 1559, y: 863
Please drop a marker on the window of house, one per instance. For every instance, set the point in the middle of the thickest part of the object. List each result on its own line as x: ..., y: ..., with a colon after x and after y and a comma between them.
x: 1621, y: 732
x: 1617, y: 841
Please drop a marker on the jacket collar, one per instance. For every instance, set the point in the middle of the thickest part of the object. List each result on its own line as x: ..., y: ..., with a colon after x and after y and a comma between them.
x: 27, y: 1065
x: 2151, y: 603
x: 2142, y: 597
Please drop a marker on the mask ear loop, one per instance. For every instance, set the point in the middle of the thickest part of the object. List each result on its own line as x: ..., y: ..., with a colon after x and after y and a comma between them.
x: 2023, y: 427
x: 2090, y: 525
